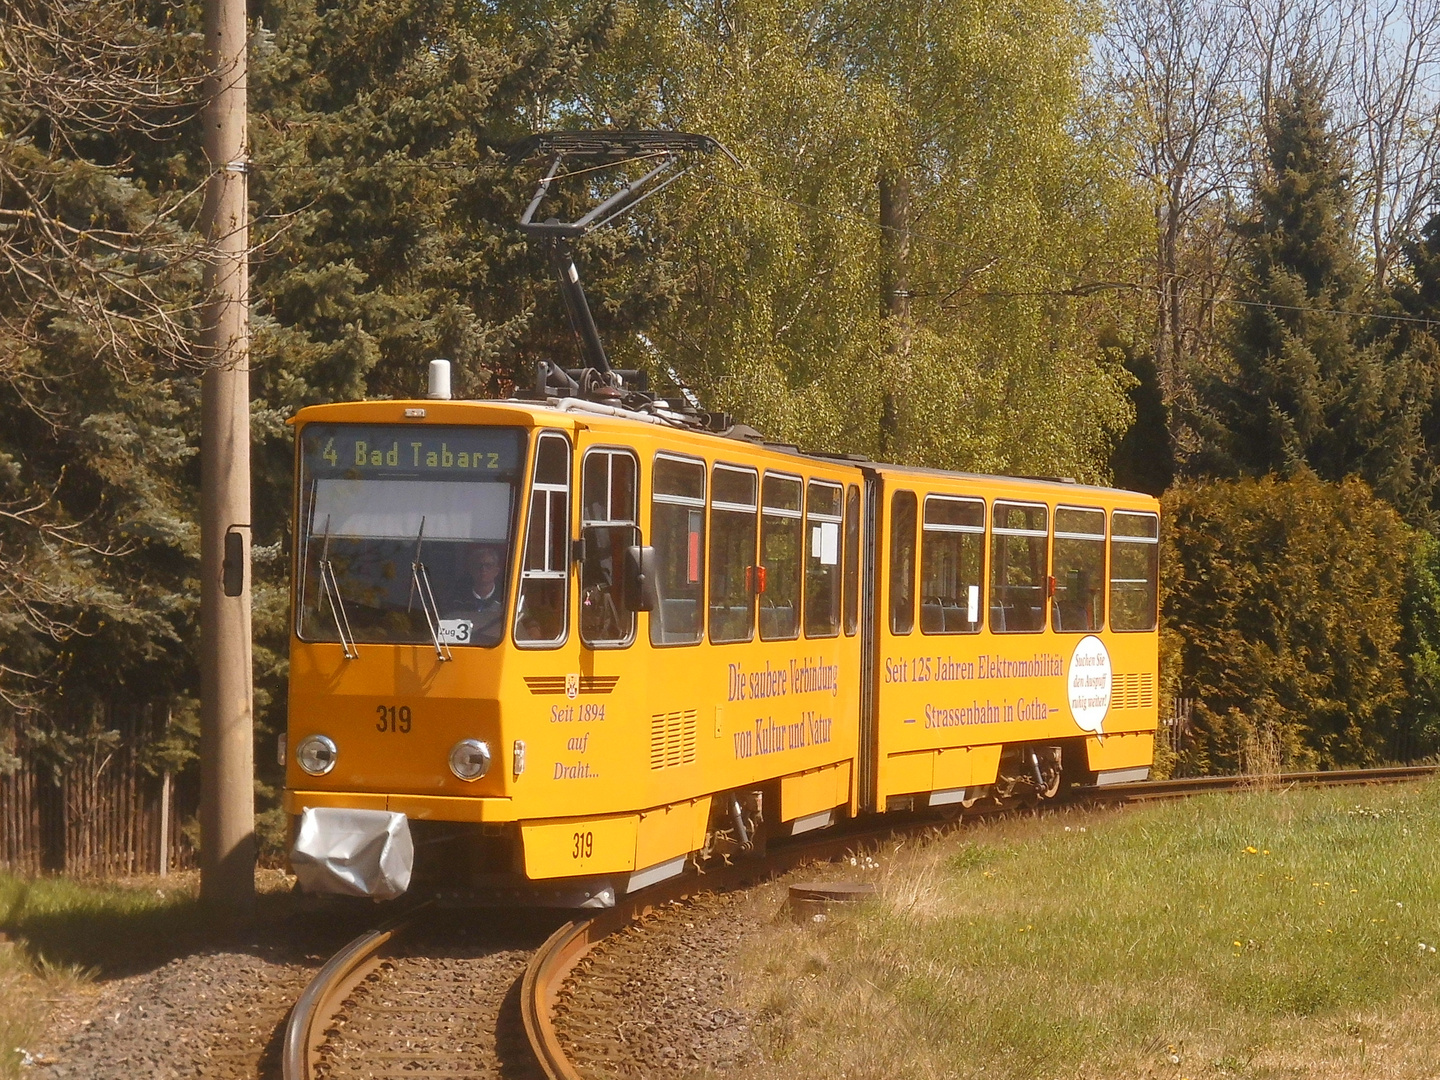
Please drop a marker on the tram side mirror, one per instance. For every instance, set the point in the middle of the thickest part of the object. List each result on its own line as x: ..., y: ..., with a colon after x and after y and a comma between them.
x: 641, y: 593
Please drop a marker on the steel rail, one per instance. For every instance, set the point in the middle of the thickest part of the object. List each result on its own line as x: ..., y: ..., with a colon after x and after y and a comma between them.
x: 544, y: 976
x: 1197, y: 785
x: 322, y: 997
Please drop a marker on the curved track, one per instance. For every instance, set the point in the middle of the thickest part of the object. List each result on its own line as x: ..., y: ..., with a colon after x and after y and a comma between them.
x: 322, y: 998
x: 313, y: 1018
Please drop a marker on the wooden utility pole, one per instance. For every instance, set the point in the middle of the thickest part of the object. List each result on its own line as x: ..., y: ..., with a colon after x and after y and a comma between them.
x: 227, y: 767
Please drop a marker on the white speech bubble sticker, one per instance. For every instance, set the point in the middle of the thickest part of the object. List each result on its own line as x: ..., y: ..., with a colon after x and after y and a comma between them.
x: 1089, y: 681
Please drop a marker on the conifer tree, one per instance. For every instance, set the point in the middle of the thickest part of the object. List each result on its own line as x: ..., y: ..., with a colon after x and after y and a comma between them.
x: 1144, y: 457
x: 1316, y: 386
x: 1416, y: 294
x: 97, y: 401
x: 1288, y: 598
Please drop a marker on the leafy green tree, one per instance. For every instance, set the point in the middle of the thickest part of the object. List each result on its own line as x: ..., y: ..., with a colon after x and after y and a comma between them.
x: 1417, y: 289
x: 1315, y: 386
x: 1289, y: 596
x: 971, y: 116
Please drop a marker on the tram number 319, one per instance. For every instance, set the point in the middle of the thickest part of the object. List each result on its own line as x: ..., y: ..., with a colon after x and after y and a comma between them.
x: 393, y: 719
x: 584, y: 845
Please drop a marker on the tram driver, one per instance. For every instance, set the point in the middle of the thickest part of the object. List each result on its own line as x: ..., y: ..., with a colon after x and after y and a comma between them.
x: 480, y: 597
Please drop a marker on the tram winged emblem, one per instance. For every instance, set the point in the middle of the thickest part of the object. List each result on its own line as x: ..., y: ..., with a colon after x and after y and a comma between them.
x: 572, y: 685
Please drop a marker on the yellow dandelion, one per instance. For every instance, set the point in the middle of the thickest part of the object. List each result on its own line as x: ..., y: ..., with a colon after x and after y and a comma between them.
x: 1250, y: 851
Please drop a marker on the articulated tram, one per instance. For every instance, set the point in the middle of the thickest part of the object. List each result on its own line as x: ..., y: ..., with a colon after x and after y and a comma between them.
x: 556, y: 648
x: 560, y: 650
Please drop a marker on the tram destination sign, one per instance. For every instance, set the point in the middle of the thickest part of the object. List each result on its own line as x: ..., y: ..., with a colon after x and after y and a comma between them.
x: 376, y: 451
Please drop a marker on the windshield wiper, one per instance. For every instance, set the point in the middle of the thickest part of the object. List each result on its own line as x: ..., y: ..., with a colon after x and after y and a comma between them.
x: 332, y: 594
x: 420, y: 582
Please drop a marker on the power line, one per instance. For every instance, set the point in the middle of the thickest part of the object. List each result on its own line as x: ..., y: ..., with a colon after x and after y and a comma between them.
x: 1326, y: 311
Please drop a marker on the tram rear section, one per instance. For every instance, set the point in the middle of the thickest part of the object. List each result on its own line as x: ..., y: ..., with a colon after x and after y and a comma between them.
x: 552, y: 652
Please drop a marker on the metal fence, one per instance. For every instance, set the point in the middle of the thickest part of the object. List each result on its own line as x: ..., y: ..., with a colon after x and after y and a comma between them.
x: 93, y: 810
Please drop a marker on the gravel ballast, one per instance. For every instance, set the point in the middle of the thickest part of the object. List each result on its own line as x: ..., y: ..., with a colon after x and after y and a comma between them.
x: 661, y: 998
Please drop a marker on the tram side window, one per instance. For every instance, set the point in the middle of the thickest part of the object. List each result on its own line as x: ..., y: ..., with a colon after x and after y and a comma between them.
x: 1134, y: 570
x: 545, y: 574
x: 1019, y: 538
x: 1079, y: 570
x: 781, y: 533
x: 732, y: 553
x: 902, y: 562
x: 822, y: 559
x: 852, y: 559
x: 677, y: 533
x: 607, y: 518
x: 952, y: 553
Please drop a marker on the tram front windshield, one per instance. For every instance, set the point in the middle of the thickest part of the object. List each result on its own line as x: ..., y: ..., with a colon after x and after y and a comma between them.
x: 407, y: 532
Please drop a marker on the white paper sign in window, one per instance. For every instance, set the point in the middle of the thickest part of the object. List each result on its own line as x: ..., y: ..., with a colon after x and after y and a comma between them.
x: 825, y: 543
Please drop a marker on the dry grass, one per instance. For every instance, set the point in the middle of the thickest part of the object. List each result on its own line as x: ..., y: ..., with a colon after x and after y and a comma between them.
x: 22, y: 1010
x: 1272, y: 934
x: 27, y: 989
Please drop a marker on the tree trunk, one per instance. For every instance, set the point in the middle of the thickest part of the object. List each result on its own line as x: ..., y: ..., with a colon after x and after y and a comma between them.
x: 894, y: 295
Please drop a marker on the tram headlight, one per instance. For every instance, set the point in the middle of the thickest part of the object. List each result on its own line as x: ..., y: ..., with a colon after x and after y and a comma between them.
x: 470, y: 759
x: 316, y: 754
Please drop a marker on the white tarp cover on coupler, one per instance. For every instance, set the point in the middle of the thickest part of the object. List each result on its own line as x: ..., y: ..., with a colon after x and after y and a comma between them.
x: 353, y: 852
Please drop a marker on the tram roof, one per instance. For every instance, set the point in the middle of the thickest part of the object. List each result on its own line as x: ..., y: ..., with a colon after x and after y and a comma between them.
x: 391, y: 410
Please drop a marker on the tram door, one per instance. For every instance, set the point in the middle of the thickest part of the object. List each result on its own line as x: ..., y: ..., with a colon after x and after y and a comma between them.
x: 609, y: 513
x: 612, y: 672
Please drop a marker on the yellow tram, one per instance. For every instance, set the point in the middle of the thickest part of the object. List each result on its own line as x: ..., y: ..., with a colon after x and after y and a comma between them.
x: 568, y: 644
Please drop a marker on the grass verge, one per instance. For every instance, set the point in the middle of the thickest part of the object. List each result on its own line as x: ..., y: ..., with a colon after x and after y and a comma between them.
x: 22, y: 1008
x: 1263, y: 935
x: 62, y: 933
x: 98, y: 925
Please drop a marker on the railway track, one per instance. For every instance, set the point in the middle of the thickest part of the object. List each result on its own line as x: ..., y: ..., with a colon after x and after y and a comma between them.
x: 1200, y: 785
x: 450, y: 999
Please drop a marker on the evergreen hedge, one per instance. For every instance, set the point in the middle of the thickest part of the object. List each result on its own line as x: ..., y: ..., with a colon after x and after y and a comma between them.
x: 1301, y: 619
